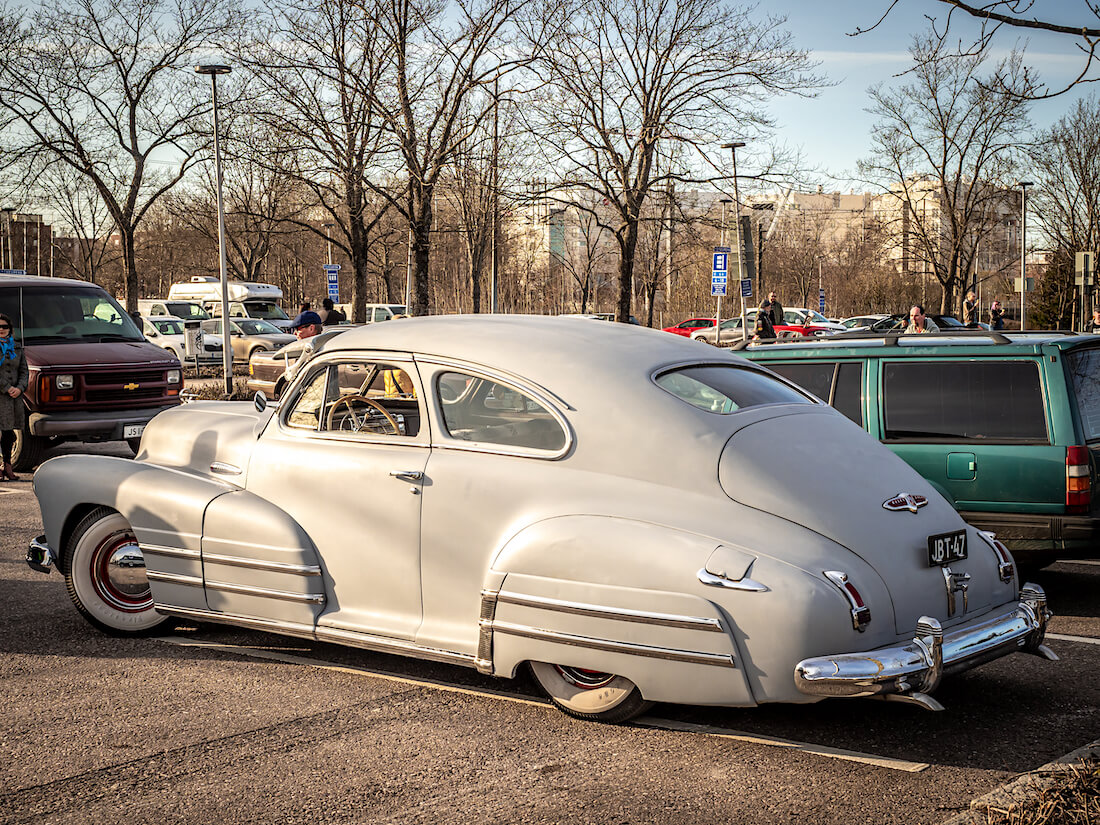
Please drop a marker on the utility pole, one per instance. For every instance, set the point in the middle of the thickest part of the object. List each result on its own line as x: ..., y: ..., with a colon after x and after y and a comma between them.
x: 733, y: 147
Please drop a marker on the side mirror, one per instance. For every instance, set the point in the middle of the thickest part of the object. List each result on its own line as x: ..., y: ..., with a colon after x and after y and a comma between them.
x: 259, y: 400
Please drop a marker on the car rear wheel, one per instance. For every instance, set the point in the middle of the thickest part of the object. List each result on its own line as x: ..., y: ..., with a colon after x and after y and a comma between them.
x: 105, y: 574
x: 28, y: 450
x: 590, y: 694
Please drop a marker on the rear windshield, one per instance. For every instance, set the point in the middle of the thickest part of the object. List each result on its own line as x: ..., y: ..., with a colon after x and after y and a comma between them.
x: 266, y: 309
x: 66, y: 314
x: 1084, y: 370
x: 725, y: 390
x: 187, y: 311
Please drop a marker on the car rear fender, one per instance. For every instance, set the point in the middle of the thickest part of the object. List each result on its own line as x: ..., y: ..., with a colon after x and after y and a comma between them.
x: 613, y: 595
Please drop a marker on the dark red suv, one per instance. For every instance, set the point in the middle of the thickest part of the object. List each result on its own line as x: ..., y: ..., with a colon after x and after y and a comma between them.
x: 93, y: 376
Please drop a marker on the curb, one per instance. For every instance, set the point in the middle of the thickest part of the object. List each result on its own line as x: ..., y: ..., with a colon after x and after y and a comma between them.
x: 1023, y: 787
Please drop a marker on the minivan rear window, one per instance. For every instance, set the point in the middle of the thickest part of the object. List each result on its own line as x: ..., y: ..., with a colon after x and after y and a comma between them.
x: 1084, y: 370
x: 993, y: 401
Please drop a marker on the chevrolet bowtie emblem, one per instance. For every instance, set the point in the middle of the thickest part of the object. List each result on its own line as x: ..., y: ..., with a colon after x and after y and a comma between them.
x: 905, y: 501
x: 135, y: 386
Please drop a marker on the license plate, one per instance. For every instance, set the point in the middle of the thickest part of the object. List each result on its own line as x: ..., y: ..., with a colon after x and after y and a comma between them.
x: 945, y: 548
x: 132, y: 430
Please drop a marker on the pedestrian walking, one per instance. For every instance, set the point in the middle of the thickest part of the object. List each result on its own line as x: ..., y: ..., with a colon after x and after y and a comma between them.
x: 970, y: 311
x: 996, y: 316
x: 773, y: 308
x: 13, y: 383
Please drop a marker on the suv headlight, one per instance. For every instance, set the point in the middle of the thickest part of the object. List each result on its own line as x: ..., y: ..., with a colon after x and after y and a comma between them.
x: 63, y: 382
x: 173, y: 376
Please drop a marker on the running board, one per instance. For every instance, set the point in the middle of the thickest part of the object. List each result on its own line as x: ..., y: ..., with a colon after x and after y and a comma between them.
x: 347, y: 638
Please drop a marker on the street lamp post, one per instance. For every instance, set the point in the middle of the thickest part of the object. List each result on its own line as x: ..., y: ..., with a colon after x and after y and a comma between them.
x: 7, y: 210
x: 718, y: 308
x: 733, y: 147
x: 215, y: 69
x: 328, y: 238
x: 1024, y: 184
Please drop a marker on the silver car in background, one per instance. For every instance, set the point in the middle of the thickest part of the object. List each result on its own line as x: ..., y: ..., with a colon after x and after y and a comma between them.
x: 250, y: 335
x: 425, y: 491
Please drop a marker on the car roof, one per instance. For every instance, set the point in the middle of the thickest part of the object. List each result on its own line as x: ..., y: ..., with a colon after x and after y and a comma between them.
x: 43, y: 280
x: 970, y: 342
x: 554, y: 351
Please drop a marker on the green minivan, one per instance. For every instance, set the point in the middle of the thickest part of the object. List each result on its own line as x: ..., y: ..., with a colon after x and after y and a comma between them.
x: 1006, y: 426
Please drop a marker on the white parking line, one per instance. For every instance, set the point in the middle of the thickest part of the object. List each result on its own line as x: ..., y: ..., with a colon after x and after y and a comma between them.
x: 1082, y: 561
x: 645, y: 721
x: 1088, y: 640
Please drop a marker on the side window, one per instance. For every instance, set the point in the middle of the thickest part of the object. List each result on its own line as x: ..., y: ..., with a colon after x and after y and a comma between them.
x: 814, y: 378
x: 306, y: 412
x: 477, y: 409
x: 848, y: 392
x: 964, y: 400
x: 371, y: 397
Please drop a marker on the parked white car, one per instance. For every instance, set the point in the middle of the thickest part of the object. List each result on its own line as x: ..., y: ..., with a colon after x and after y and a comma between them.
x: 860, y: 323
x: 168, y: 331
x: 424, y: 490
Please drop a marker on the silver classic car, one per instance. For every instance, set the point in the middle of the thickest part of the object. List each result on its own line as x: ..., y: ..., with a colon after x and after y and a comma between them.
x: 508, y: 491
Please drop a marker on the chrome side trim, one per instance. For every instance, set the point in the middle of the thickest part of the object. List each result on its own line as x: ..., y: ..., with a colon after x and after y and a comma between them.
x: 629, y: 648
x: 225, y: 469
x: 618, y: 613
x: 323, y: 634
x: 257, y: 564
x: 171, y: 552
x: 746, y: 584
x: 917, y: 667
x: 173, y: 578
x: 484, y: 661
x: 266, y: 593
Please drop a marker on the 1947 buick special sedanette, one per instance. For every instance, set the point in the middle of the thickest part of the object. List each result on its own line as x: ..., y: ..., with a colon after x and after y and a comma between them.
x: 619, y: 508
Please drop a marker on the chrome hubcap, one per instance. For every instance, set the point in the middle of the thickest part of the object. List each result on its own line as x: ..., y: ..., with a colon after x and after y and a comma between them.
x: 118, y: 572
x: 584, y: 679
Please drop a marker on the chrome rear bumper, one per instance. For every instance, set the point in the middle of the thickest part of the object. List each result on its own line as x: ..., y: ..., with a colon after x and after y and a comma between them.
x: 913, y: 670
x: 40, y: 556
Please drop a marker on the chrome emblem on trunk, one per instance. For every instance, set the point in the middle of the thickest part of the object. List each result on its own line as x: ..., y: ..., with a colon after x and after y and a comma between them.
x: 905, y: 501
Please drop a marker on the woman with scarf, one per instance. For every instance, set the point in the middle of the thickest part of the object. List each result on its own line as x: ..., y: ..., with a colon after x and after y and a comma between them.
x: 13, y: 382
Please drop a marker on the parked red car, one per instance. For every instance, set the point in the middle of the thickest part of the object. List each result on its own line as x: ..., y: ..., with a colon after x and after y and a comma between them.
x: 689, y: 326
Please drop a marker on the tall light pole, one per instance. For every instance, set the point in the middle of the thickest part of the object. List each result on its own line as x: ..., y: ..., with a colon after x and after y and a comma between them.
x: 733, y: 147
x: 328, y: 237
x: 718, y: 309
x: 7, y: 210
x: 215, y: 69
x: 1024, y: 184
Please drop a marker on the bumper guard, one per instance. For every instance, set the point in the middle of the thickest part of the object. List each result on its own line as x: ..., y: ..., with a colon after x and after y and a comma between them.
x: 40, y: 555
x: 909, y: 672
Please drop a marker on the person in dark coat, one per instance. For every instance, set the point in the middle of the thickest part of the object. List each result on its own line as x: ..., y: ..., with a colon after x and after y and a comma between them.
x: 330, y: 316
x: 996, y: 316
x: 773, y: 308
x: 13, y: 383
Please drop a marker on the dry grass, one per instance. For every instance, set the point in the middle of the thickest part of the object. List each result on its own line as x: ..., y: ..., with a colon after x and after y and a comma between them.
x: 1069, y: 795
x: 216, y: 392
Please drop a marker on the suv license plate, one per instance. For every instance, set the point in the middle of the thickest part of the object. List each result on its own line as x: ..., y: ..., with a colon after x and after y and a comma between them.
x: 135, y: 431
x: 946, y: 548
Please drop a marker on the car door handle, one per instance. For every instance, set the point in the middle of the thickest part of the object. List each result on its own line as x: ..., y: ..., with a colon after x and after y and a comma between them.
x: 407, y: 475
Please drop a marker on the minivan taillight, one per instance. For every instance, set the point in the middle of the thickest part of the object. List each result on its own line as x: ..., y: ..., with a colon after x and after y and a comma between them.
x: 1078, y: 485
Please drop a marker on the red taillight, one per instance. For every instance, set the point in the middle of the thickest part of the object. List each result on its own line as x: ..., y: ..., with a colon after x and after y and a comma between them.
x: 1078, y: 483
x: 1006, y: 565
x: 861, y: 613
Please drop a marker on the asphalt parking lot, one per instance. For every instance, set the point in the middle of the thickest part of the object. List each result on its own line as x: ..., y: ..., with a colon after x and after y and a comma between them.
x: 218, y: 725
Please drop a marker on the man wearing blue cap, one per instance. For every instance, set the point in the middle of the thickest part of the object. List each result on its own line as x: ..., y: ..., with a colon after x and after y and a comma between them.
x: 306, y: 325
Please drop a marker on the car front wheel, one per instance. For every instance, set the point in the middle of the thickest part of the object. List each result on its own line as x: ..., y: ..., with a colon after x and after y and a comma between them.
x: 590, y: 694
x: 105, y: 574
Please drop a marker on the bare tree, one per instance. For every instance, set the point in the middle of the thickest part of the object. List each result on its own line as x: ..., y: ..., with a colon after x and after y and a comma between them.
x: 433, y: 96
x: 944, y: 150
x: 81, y: 211
x: 105, y: 88
x: 621, y: 79
x: 314, y: 68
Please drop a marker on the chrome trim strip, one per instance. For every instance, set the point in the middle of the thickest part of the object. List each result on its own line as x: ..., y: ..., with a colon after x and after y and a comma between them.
x: 746, y: 584
x: 172, y: 552
x: 266, y: 593
x: 619, y: 613
x: 484, y: 661
x: 173, y: 578
x: 258, y: 564
x: 323, y: 634
x: 226, y: 469
x: 917, y: 667
x: 629, y: 648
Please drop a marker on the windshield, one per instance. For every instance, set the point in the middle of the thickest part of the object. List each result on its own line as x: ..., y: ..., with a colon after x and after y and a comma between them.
x: 187, y: 311
x: 251, y: 326
x: 66, y: 314
x: 267, y: 310
x: 813, y: 317
x: 167, y: 327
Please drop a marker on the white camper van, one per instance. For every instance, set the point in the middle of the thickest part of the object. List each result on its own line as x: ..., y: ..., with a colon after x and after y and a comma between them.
x: 247, y: 299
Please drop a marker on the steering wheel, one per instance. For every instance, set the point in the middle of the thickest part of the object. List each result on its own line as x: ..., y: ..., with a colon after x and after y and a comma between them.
x: 354, y: 422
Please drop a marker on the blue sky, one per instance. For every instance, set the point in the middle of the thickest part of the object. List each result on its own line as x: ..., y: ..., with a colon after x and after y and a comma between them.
x: 833, y: 131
